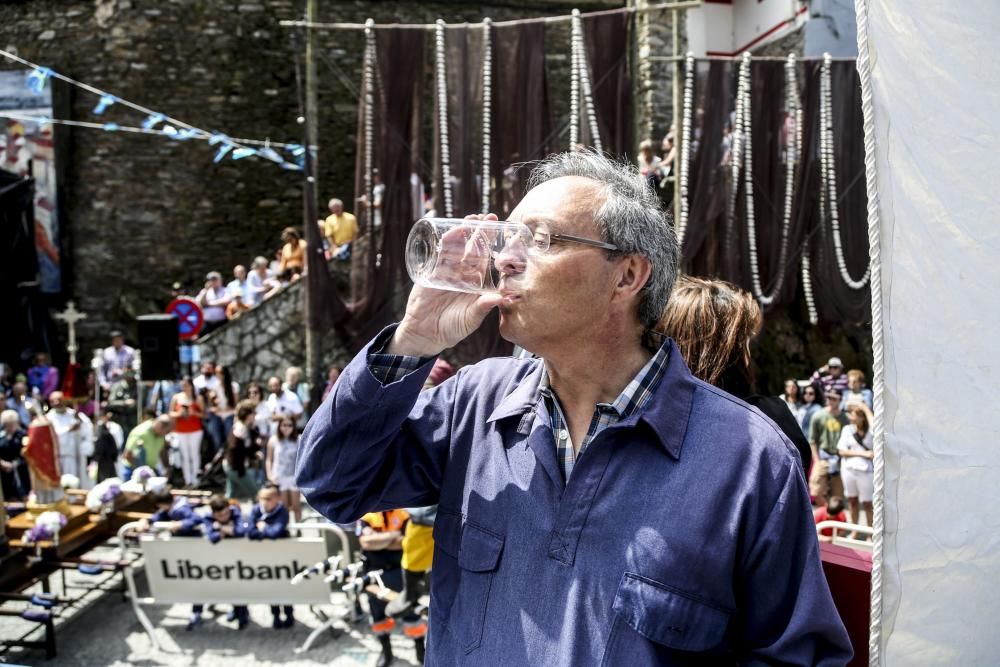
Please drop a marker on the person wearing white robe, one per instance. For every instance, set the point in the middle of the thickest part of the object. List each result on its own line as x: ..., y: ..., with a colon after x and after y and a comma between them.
x: 75, y: 432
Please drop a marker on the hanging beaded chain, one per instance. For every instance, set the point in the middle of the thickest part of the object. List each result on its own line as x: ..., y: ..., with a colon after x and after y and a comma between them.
x: 442, y: 109
x: 793, y: 108
x: 736, y: 152
x: 682, y: 220
x: 574, y: 88
x: 807, y: 286
x: 829, y: 174
x: 580, y: 62
x: 369, y: 124
x: 487, y: 112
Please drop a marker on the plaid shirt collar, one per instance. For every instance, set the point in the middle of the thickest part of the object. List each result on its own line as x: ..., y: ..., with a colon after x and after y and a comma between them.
x: 634, y: 396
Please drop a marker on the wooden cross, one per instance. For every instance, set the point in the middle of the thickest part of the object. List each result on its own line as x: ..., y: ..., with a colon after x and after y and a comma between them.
x: 71, y: 316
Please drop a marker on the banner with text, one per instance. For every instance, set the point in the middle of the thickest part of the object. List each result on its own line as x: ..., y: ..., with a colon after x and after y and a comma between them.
x: 235, y: 571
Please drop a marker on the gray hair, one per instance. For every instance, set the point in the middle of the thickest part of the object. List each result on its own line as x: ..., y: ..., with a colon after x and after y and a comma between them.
x: 9, y: 417
x: 631, y: 218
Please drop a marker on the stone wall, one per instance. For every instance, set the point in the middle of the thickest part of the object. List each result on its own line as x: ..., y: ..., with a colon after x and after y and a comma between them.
x: 140, y: 212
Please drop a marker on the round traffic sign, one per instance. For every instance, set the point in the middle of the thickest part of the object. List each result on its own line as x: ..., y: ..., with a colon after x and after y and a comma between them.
x: 190, y: 319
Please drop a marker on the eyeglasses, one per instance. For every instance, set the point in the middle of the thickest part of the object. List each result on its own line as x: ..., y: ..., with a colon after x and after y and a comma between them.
x: 543, y: 244
x: 542, y: 240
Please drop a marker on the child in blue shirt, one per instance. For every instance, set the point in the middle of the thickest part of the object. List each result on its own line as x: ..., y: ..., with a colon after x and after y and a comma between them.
x: 269, y: 521
x: 184, y: 522
x: 226, y: 520
x: 181, y: 515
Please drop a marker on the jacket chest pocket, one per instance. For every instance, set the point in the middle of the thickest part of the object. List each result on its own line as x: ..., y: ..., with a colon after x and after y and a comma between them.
x: 657, y: 624
x: 466, y: 560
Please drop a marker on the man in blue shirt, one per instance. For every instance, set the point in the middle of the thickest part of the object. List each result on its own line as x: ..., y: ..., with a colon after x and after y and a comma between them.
x: 597, y: 504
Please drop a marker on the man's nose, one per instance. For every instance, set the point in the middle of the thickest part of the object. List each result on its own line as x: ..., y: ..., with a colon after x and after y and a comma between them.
x: 512, y: 259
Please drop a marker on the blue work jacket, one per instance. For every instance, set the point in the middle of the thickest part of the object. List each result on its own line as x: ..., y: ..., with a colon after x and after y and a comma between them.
x: 684, y: 535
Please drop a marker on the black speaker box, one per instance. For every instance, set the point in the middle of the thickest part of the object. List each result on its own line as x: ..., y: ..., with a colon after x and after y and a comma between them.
x: 158, y: 342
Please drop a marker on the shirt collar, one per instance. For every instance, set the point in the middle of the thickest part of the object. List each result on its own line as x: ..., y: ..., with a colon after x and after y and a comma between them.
x: 524, y: 396
x: 664, y: 387
x: 635, y: 394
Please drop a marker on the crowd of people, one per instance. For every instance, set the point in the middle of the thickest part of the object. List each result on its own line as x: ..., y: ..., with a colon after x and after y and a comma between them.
x: 222, y: 301
x: 200, y: 432
x: 834, y: 410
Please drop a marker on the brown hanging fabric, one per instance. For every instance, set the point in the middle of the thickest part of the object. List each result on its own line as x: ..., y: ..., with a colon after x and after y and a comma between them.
x: 835, y: 301
x: 379, y: 282
x: 521, y: 114
x: 606, y: 39
x: 713, y: 249
x: 464, y: 49
x: 708, y: 181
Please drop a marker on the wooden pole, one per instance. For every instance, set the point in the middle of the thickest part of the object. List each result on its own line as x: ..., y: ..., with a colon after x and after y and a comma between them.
x: 310, y: 214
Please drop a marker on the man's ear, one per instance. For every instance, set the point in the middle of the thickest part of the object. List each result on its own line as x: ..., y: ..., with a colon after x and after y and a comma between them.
x: 633, y: 274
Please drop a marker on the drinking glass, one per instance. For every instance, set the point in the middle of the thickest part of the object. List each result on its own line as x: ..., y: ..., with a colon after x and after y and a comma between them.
x: 460, y: 255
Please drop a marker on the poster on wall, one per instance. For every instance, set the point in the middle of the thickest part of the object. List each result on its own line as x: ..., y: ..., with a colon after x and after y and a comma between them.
x: 27, y: 149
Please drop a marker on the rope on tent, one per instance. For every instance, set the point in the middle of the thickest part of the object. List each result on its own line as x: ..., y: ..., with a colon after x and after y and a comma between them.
x: 487, y: 112
x: 878, y: 337
x: 442, y: 105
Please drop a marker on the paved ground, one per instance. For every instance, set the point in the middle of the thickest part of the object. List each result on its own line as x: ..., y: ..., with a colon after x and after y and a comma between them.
x: 104, y: 631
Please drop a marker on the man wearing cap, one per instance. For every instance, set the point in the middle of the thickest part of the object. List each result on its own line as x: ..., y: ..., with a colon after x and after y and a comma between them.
x: 115, y: 359
x: 824, y: 434
x: 831, y: 376
x: 213, y: 299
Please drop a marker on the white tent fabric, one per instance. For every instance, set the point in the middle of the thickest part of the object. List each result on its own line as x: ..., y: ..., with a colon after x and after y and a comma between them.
x: 936, y: 92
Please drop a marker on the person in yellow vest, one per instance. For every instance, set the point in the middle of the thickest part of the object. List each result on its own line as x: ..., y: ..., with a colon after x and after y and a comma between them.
x: 418, y: 554
x: 340, y: 228
x: 381, y: 538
